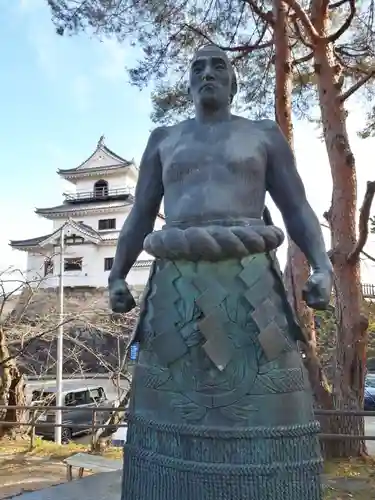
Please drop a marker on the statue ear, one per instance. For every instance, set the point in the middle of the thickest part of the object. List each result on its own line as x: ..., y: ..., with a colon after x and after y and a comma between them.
x: 234, y: 87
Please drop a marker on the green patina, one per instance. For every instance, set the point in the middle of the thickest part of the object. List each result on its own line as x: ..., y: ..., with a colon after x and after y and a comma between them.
x: 218, y: 374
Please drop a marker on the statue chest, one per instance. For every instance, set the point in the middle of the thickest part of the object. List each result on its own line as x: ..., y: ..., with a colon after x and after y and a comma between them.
x: 214, y: 154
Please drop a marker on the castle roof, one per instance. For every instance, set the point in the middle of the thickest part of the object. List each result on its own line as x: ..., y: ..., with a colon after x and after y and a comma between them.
x: 78, y: 227
x: 102, y: 161
x: 67, y: 209
x: 30, y: 242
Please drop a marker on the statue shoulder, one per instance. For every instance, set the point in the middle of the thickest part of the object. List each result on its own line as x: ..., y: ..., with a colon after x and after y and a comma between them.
x: 157, y: 135
x: 269, y: 126
x: 273, y: 136
x: 165, y: 131
x: 265, y: 125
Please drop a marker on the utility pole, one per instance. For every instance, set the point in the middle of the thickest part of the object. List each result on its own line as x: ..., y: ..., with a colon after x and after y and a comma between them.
x: 60, y: 339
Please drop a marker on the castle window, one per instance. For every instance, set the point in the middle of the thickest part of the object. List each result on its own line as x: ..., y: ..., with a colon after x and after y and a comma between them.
x: 100, y: 189
x: 48, y: 266
x: 74, y: 240
x: 108, y: 263
x: 73, y: 264
x: 104, y: 224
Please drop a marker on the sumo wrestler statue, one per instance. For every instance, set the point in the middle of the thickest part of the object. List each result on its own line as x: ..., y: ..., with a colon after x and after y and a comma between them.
x: 221, y: 406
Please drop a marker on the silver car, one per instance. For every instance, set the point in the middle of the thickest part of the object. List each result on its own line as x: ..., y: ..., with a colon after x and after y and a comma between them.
x: 80, y: 400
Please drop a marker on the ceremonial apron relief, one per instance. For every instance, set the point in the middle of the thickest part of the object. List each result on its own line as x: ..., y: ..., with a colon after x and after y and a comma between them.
x: 218, y: 374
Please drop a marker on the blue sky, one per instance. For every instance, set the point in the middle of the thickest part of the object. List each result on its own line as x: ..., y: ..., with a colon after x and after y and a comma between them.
x: 58, y: 95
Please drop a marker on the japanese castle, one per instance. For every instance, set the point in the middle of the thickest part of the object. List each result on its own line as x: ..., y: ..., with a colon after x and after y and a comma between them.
x: 90, y: 218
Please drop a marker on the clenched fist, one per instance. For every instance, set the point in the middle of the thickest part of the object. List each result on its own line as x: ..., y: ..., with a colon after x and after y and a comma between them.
x: 120, y: 298
x: 317, y: 291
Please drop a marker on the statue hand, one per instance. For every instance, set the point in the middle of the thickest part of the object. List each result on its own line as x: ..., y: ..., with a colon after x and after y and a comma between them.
x: 120, y: 298
x: 317, y: 291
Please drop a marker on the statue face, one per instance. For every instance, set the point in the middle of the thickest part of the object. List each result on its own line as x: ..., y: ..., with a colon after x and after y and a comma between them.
x: 211, y: 79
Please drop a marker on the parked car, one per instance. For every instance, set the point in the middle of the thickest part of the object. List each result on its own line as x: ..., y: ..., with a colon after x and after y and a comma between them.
x: 369, y: 399
x: 80, y: 399
x: 119, y: 436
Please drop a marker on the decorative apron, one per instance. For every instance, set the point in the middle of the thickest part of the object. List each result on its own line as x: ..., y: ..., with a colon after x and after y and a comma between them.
x: 221, y: 406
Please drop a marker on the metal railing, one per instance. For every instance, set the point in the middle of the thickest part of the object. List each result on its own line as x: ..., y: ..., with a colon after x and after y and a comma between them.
x: 96, y: 194
x: 36, y: 411
x: 368, y: 290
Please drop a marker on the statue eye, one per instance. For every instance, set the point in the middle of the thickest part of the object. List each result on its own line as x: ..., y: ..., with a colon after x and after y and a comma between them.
x: 220, y: 66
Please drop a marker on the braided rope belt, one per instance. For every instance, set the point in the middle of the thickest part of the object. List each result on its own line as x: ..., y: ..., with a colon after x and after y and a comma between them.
x: 213, y: 242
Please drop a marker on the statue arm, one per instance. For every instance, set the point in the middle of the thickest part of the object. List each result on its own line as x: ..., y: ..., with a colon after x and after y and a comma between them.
x: 140, y: 222
x: 287, y: 191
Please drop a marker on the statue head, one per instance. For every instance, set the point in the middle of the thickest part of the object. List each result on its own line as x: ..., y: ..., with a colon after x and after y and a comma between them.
x: 213, y: 83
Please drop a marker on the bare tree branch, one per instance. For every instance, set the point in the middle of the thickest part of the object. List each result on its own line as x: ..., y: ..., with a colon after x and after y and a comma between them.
x: 38, y: 336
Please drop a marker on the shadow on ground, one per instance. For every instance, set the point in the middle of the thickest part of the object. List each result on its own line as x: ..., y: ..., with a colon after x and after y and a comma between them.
x: 22, y: 472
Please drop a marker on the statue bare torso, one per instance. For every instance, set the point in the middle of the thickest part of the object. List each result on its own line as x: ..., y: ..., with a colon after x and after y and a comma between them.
x: 214, y: 171
x: 217, y: 167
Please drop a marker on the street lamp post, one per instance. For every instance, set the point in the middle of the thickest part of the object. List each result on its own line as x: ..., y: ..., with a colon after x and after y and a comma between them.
x: 60, y: 337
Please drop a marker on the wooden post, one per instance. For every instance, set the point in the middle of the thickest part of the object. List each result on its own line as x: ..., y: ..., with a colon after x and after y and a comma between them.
x: 93, y: 429
x: 32, y: 430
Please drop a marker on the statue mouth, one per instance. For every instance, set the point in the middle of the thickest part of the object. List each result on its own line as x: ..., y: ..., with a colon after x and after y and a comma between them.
x: 208, y: 86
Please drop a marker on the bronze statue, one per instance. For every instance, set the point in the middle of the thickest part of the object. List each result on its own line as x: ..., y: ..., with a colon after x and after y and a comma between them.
x: 221, y: 406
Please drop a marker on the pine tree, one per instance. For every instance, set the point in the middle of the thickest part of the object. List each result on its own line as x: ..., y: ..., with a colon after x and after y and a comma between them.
x: 327, y: 56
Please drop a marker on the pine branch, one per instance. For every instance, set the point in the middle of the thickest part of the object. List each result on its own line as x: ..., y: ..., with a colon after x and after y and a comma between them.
x: 346, y: 25
x: 303, y: 59
x: 368, y: 256
x: 362, y: 81
x: 364, y: 216
x: 337, y: 4
x: 299, y: 33
x: 267, y: 17
x: 305, y: 20
x: 238, y: 48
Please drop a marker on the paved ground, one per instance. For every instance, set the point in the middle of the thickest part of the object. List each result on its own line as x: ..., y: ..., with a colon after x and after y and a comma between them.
x: 98, y: 487
x: 19, y: 474
x: 108, y: 486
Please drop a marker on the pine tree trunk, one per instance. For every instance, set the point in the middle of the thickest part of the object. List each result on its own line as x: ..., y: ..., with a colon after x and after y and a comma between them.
x: 297, y: 269
x: 12, y: 391
x: 349, y: 370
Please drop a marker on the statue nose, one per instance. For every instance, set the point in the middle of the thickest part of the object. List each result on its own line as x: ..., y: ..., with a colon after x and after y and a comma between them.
x: 207, y: 75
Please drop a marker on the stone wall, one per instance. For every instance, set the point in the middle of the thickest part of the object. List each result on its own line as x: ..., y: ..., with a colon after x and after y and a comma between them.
x: 95, y: 339
x: 77, y: 301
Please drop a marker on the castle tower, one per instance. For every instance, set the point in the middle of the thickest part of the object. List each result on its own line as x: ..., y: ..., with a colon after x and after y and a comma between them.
x: 92, y: 216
